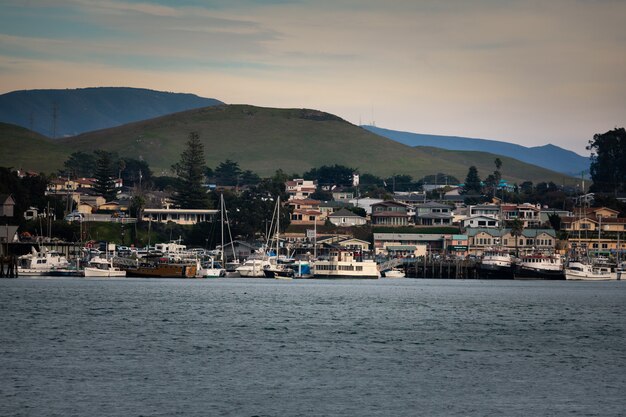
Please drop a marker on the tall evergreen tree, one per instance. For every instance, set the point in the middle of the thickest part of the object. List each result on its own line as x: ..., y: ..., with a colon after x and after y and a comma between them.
x: 472, y: 181
x: 103, y: 174
x: 190, y: 192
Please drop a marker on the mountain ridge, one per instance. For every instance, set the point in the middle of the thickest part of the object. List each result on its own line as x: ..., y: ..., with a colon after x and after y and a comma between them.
x: 548, y: 156
x: 58, y: 113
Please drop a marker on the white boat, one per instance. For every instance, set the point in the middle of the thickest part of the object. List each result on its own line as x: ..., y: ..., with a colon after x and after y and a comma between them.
x: 540, y: 266
x: 343, y: 264
x: 496, y: 263
x: 100, y: 267
x: 210, y: 269
x: 393, y: 273
x: 254, y: 268
x: 620, y: 271
x: 588, y: 272
x: 41, y: 263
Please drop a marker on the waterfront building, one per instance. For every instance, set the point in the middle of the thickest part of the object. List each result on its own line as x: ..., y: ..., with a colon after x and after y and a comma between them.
x: 179, y: 216
x: 306, y: 212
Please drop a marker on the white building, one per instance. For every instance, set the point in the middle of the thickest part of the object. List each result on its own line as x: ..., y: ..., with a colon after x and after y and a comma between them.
x: 178, y: 216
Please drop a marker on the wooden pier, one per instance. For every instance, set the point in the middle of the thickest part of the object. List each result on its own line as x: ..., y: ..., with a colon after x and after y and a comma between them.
x: 8, y: 267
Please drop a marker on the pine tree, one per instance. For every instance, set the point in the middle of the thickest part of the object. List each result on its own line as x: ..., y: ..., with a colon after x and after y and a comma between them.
x: 103, y: 174
x: 190, y: 170
x: 472, y: 181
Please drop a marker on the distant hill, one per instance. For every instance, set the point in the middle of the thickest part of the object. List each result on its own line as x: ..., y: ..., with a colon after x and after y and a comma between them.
x: 266, y: 139
x: 87, y: 109
x: 547, y: 156
x: 22, y: 148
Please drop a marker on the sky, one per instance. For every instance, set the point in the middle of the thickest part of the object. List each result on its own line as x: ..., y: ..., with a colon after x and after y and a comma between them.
x: 527, y: 72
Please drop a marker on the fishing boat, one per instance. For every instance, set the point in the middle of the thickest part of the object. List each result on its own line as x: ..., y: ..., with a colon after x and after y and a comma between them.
x: 102, y: 268
x: 41, y: 263
x: 540, y: 266
x: 585, y: 271
x: 496, y: 264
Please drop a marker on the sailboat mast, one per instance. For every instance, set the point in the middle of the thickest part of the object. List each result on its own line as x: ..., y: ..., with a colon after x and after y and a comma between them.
x: 222, y: 226
x: 277, y: 226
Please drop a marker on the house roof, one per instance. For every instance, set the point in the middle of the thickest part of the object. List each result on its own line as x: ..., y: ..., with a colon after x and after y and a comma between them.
x: 433, y: 204
x: 345, y: 213
x: 7, y: 199
x: 390, y: 203
x: 305, y: 202
x: 389, y: 214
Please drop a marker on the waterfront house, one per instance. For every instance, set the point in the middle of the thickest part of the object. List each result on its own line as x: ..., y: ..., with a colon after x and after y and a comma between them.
x: 429, y: 243
x: 482, y: 239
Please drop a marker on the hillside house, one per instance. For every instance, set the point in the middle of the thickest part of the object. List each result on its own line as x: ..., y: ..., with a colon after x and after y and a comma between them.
x: 391, y: 213
x: 346, y: 218
x: 178, y: 216
x: 300, y: 189
x: 306, y: 212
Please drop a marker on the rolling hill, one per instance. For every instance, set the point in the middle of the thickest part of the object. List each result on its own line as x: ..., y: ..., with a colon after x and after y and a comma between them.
x: 87, y: 109
x: 547, y: 156
x: 262, y: 140
x: 23, y: 148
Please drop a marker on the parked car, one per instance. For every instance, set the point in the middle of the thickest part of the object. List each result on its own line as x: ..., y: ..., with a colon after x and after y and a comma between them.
x: 74, y: 216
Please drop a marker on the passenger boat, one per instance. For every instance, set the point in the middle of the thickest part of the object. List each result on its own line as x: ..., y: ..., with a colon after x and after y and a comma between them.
x: 540, y: 266
x: 102, y: 268
x: 343, y: 264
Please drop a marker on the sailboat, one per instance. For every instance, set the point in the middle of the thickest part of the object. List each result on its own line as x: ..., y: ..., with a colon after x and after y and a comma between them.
x: 209, y: 268
x: 276, y: 270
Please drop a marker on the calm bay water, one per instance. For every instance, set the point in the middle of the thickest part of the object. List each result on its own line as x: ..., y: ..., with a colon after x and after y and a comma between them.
x: 133, y: 347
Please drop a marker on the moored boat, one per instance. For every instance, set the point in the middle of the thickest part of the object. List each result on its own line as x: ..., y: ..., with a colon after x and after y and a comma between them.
x: 343, y: 264
x: 41, y: 263
x: 585, y: 271
x: 102, y: 268
x: 540, y: 266
x: 496, y: 264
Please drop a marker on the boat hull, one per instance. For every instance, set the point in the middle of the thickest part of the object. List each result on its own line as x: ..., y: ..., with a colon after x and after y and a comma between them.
x: 163, y: 271
x: 103, y: 273
x: 488, y: 271
x: 531, y: 273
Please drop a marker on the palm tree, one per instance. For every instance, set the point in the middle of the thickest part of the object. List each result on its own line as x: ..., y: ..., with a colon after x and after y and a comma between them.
x: 517, y: 227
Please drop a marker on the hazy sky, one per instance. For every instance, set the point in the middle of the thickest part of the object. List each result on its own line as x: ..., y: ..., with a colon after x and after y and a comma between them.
x: 529, y: 72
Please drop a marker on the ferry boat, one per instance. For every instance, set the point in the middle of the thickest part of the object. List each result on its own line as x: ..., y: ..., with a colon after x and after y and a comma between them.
x: 540, y: 266
x: 343, y: 264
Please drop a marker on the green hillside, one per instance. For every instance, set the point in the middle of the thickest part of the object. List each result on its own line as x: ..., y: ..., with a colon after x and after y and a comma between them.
x: 23, y: 148
x: 265, y: 139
